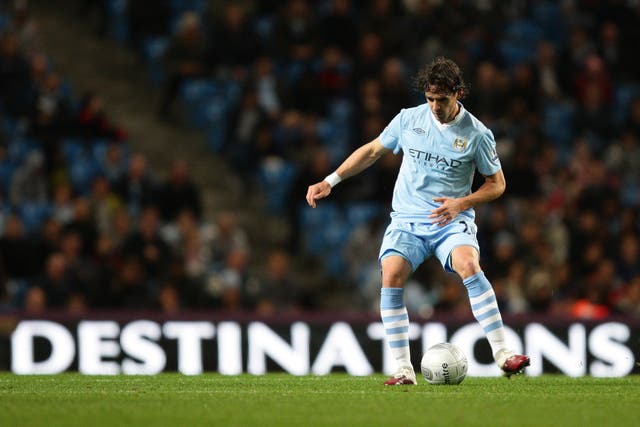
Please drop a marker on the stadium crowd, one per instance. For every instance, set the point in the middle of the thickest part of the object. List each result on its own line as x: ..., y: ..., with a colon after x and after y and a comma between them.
x: 283, y: 90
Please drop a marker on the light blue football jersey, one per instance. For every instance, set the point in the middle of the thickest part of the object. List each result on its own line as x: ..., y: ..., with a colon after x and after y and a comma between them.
x: 439, y: 160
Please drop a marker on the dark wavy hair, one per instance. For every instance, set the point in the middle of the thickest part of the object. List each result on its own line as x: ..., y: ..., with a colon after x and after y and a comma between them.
x: 442, y: 73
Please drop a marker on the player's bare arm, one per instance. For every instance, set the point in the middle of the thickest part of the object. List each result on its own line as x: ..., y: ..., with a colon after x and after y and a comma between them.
x: 357, y: 161
x: 492, y: 188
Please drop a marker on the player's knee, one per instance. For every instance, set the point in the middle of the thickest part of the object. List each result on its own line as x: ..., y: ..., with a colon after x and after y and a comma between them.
x: 467, y: 266
x: 393, y: 278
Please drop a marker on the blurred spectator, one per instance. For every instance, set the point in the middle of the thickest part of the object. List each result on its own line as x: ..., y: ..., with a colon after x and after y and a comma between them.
x: 186, y: 58
x: 106, y: 262
x: 83, y: 224
x: 230, y: 286
x: 147, y: 247
x: 393, y: 88
x: 524, y: 87
x: 35, y: 301
x: 552, y: 72
x: 370, y: 56
x: 488, y: 96
x: 178, y: 192
x: 114, y: 163
x: 227, y: 236
x: 191, y: 243
x: 362, y: 260
x: 14, y: 76
x: 104, y: 204
x: 233, y: 43
x: 93, y: 122
x: 129, y: 286
x: 62, y: 203
x: 29, y: 182
x: 16, y: 250
x: 169, y: 299
x: 632, y: 117
x: 279, y: 289
x: 268, y: 87
x: 339, y: 27
x: 296, y: 29
x: 56, y: 283
x: 593, y: 75
x: 146, y: 22
x: 137, y: 188
x: 628, y: 266
x: 51, y: 117
x: 629, y: 303
x: 248, y: 124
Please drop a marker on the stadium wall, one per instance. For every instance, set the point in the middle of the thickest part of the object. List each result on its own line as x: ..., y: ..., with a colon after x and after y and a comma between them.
x: 314, y: 343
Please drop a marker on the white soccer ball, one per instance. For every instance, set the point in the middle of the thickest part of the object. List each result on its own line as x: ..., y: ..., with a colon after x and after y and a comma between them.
x: 444, y: 364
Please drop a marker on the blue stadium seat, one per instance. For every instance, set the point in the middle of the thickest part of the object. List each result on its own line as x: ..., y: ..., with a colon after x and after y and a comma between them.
x: 73, y: 151
x: 82, y: 174
x: 624, y: 94
x: 558, y: 126
x: 358, y: 213
x: 34, y: 214
x: 524, y: 31
x: 4, y: 21
x: 118, y: 20
x: 198, y: 90
x: 178, y: 7
x: 275, y: 176
x: 99, y: 149
x: 513, y: 52
x: 153, y: 51
x: 19, y: 148
x: 325, y: 212
x: 549, y: 18
x: 7, y: 168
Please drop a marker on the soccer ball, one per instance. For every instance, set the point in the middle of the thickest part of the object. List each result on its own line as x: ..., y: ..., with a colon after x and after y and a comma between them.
x: 444, y: 364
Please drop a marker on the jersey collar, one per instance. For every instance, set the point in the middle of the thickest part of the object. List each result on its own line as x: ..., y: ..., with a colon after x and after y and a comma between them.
x: 455, y: 121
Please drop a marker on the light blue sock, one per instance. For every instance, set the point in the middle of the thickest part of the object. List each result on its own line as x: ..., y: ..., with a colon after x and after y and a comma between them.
x: 395, y: 320
x: 485, y: 309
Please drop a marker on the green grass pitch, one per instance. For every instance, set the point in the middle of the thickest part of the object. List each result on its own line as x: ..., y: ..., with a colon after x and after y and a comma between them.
x: 333, y: 400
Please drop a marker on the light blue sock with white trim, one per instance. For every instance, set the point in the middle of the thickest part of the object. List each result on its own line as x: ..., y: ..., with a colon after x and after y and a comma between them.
x: 395, y: 320
x: 484, y: 306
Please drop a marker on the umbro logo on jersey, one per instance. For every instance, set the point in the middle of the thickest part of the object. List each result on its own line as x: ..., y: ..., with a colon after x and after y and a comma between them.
x: 419, y: 131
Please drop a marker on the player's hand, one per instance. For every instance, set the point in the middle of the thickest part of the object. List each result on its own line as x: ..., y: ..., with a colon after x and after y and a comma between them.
x: 447, y: 211
x: 317, y: 191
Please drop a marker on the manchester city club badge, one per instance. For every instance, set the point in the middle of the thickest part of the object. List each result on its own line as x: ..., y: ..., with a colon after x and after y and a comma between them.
x: 459, y: 144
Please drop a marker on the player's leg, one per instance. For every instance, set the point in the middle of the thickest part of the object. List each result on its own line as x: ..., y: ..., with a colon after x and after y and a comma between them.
x: 401, y: 252
x: 465, y: 261
x: 395, y: 319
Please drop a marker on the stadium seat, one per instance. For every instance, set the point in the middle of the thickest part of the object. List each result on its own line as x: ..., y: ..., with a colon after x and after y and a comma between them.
x: 358, y: 213
x: 557, y: 126
x: 19, y: 148
x: 7, y: 168
x: 153, y: 51
x: 513, y: 52
x: 73, y: 150
x: 548, y: 17
x: 33, y: 214
x: 118, y: 20
x: 275, y: 176
x: 624, y: 94
x: 82, y: 174
x: 524, y: 31
x: 198, y: 90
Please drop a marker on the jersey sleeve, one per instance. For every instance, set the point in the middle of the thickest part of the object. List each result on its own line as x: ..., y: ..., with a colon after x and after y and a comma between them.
x: 487, y: 159
x: 390, y: 136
